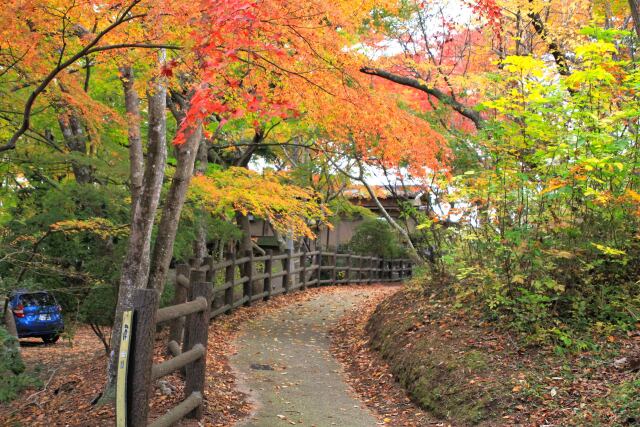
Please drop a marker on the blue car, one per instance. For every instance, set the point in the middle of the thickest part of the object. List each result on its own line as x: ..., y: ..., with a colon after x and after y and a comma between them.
x: 37, y: 314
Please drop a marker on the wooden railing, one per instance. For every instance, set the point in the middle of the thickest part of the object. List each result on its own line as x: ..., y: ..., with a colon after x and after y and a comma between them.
x: 205, y: 290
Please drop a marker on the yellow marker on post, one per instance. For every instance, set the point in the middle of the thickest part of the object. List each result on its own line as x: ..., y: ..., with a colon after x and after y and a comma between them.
x: 123, y: 364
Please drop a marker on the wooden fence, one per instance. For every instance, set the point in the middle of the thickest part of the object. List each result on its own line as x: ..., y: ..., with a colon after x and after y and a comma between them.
x: 205, y: 290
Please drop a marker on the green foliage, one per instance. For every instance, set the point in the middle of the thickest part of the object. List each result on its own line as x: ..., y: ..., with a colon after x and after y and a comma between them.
x: 625, y: 402
x: 12, y: 376
x: 549, y: 244
x: 375, y: 237
x: 98, y: 307
x: 342, y: 209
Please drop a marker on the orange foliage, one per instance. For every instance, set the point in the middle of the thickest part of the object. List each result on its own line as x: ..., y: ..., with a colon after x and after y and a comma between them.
x: 275, y: 58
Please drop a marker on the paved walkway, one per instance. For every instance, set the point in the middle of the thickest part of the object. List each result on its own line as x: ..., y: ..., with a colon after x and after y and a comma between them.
x: 283, y: 362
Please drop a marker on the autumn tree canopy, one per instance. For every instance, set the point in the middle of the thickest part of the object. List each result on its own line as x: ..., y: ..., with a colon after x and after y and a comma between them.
x: 515, y: 122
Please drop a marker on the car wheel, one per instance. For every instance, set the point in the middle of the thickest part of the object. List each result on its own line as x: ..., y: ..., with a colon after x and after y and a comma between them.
x: 50, y: 339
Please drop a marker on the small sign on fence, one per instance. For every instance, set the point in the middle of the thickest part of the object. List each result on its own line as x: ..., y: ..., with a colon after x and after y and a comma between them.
x: 123, y: 364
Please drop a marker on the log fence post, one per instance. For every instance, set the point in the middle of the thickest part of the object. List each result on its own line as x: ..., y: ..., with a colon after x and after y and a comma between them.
x: 179, y: 296
x: 335, y: 268
x: 347, y: 271
x: 319, y: 266
x: 303, y: 268
x: 145, y: 303
x: 286, y: 279
x: 268, y: 271
x: 247, y: 286
x: 197, y: 325
x: 230, y: 279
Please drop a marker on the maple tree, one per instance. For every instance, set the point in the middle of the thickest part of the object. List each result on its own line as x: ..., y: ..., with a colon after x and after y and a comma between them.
x: 516, y: 119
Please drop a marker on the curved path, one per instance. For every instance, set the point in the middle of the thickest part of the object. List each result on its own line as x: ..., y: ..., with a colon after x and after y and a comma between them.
x: 284, y: 364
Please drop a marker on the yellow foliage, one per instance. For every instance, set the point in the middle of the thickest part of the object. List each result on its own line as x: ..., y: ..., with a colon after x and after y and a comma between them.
x: 288, y: 208
x: 101, y: 227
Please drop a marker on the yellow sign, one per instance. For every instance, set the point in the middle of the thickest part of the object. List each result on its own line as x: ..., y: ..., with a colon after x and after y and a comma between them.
x: 123, y: 364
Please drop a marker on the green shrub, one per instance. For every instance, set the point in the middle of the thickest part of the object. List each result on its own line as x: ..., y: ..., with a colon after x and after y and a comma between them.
x: 375, y: 237
x: 12, y: 376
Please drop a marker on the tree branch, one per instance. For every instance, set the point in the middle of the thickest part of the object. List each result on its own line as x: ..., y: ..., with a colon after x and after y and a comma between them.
x: 553, y: 46
x: 462, y: 109
x: 26, y: 118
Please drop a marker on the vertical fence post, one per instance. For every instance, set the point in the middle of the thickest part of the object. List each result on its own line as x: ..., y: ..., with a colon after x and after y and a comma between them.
x: 347, y: 270
x: 216, y: 298
x: 198, y: 326
x: 286, y: 279
x: 303, y: 268
x: 230, y: 279
x: 319, y: 266
x: 145, y: 302
x: 355, y: 265
x: 335, y: 268
x: 179, y: 296
x: 208, y: 261
x: 369, y: 269
x: 247, y: 287
x: 268, y: 271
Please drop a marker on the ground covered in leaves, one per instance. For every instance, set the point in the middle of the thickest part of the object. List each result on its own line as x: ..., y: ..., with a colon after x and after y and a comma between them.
x: 367, y: 373
x: 72, y: 374
x: 463, y: 371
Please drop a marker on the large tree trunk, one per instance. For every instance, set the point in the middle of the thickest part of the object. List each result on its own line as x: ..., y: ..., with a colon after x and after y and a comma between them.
x: 163, y: 247
x: 635, y: 13
x: 9, y: 321
x: 135, y: 268
x: 136, y: 156
x: 202, y: 162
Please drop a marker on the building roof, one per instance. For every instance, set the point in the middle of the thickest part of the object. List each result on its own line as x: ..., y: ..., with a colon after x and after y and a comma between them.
x: 383, y: 192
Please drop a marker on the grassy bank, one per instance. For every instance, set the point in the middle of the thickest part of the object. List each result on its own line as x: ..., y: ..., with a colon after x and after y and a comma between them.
x: 468, y: 371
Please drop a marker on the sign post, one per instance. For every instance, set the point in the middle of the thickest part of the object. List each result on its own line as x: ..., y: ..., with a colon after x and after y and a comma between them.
x: 123, y: 365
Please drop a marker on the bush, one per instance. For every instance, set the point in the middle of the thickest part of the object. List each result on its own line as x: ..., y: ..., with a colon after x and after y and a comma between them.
x: 375, y: 237
x: 12, y: 376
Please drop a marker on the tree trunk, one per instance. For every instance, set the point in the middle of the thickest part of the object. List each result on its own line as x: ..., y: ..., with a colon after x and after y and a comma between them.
x: 9, y: 321
x: 413, y: 253
x: 246, y: 245
x: 635, y: 13
x: 245, y: 225
x: 202, y: 162
x: 135, y: 268
x: 163, y: 247
x: 76, y: 141
x: 136, y: 157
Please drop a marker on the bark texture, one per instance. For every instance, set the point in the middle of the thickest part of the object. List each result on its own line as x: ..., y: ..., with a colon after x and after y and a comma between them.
x: 136, y: 157
x: 135, y: 268
x: 163, y: 247
x: 635, y: 13
x: 202, y: 162
x: 76, y: 140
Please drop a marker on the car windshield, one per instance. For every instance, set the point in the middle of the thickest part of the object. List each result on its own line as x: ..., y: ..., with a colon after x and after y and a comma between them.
x: 37, y: 299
